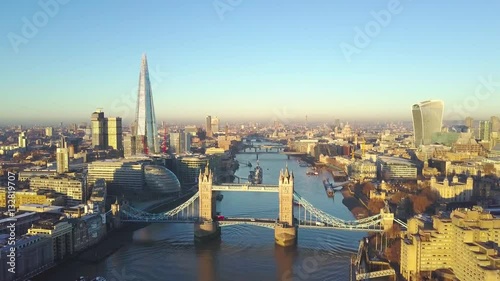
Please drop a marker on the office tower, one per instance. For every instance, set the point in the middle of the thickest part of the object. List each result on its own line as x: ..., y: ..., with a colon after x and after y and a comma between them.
x: 180, y: 142
x: 49, y: 131
x: 187, y: 142
x: 64, y: 142
x: 23, y: 141
x: 71, y: 151
x: 495, y: 124
x: 129, y: 145
x: 62, y: 158
x: 215, y: 125
x: 114, y: 133
x: 484, y: 130
x: 208, y: 125
x: 427, y: 120
x: 106, y: 132
x: 469, y: 122
x: 191, y: 130
x: 98, y: 129
x: 145, y: 121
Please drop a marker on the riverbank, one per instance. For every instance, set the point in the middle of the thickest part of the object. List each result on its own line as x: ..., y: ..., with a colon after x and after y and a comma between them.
x: 116, y: 239
x: 355, y: 206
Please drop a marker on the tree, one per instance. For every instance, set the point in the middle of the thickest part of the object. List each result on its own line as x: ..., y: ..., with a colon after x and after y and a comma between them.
x: 430, y: 194
x: 375, y: 205
x: 393, y: 253
x: 420, y: 203
x: 396, y: 198
x: 367, y: 187
x: 394, y: 231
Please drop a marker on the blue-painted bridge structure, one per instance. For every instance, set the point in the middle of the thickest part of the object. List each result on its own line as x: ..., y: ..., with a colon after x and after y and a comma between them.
x: 200, y: 210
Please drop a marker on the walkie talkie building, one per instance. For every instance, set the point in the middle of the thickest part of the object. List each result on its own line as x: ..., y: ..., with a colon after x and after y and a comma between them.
x: 427, y: 120
x: 145, y: 128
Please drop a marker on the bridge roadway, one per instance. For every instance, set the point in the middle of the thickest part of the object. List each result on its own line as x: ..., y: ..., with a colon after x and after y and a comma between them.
x: 273, y: 152
x: 246, y: 187
x: 268, y: 223
x: 271, y: 223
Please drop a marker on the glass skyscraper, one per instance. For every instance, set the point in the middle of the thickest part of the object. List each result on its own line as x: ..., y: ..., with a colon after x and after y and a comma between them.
x: 145, y: 128
x: 427, y: 120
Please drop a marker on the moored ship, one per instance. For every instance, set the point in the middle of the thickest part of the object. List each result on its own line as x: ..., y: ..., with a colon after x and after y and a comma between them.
x: 255, y: 176
x: 328, y: 188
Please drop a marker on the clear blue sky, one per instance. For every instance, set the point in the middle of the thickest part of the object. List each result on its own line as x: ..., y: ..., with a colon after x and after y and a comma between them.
x: 262, y: 59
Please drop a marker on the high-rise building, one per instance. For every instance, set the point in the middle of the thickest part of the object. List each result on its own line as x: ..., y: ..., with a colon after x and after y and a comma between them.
x: 180, y: 142
x: 208, y: 125
x: 98, y: 130
x: 106, y: 132
x: 49, y: 131
x: 145, y: 128
x: 495, y: 124
x: 23, y: 141
x: 129, y: 144
x: 484, y: 130
x: 427, y: 120
x: 114, y: 133
x: 62, y: 158
x: 469, y: 122
x: 215, y: 125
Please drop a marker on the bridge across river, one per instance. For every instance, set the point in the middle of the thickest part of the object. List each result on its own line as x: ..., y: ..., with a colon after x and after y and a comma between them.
x: 200, y: 210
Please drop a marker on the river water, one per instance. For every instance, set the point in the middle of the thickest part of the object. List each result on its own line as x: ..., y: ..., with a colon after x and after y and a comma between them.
x: 164, y: 252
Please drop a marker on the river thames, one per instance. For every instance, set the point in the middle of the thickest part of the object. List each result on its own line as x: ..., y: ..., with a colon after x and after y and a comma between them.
x: 163, y: 252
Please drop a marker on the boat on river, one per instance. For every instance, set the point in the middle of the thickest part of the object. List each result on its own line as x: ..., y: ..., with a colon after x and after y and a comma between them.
x: 328, y: 188
x: 255, y: 176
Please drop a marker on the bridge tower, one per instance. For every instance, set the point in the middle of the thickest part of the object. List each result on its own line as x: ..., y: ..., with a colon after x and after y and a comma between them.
x: 285, y: 232
x: 115, y: 213
x: 206, y: 228
x: 387, y: 218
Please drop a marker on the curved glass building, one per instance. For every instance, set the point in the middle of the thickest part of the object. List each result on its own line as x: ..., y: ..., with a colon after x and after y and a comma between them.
x: 161, y: 180
x: 427, y: 120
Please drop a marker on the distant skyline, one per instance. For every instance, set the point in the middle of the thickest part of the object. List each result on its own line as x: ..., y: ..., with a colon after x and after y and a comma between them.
x: 261, y: 60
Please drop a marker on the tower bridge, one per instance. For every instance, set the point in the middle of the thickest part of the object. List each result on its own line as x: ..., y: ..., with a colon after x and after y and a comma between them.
x: 200, y: 210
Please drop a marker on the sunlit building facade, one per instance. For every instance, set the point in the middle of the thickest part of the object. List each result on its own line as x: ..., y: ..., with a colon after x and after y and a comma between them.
x: 427, y: 120
x: 463, y: 244
x: 119, y: 175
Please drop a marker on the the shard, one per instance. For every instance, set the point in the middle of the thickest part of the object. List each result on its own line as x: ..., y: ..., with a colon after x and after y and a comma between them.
x: 145, y: 128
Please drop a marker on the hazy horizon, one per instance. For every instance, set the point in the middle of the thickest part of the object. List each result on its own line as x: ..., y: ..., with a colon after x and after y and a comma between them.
x: 257, y: 61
